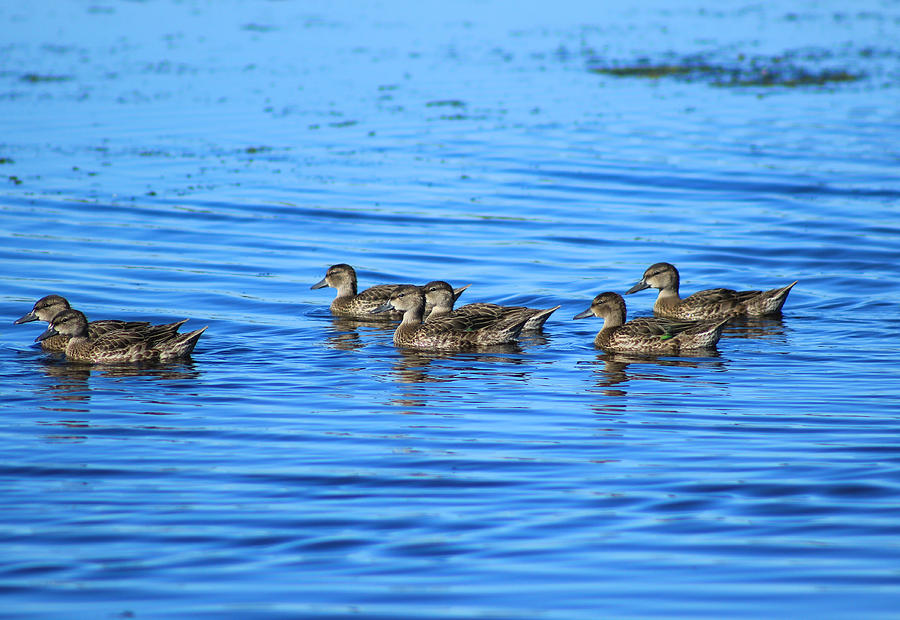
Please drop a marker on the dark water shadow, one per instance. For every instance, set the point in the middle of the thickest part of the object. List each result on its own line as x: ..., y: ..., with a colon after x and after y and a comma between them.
x: 533, y: 339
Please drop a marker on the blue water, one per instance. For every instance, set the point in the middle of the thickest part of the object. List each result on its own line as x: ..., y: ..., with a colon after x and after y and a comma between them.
x: 208, y: 161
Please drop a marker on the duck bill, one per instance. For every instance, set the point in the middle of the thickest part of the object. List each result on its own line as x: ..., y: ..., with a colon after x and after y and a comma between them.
x: 640, y: 286
x: 321, y: 283
x: 583, y: 315
x: 31, y: 316
x: 385, y: 307
x: 48, y: 333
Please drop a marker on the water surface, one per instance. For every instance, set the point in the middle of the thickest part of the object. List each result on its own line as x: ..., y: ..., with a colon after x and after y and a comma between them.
x: 178, y: 159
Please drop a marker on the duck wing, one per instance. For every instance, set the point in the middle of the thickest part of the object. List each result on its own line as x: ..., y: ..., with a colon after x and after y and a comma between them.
x: 718, y: 301
x: 104, y: 326
x: 656, y: 327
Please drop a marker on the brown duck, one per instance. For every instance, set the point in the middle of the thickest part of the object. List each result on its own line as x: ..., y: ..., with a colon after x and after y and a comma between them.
x: 48, y: 307
x: 709, y: 304
x: 453, y: 333
x: 118, y: 346
x: 651, y: 335
x: 350, y: 304
x: 440, y: 296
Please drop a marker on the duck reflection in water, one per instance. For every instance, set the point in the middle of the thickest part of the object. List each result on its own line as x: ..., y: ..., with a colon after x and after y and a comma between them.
x: 768, y: 328
x: 69, y: 381
x: 462, y: 372
x: 611, y: 369
x: 69, y: 384
x: 417, y: 366
x: 344, y: 334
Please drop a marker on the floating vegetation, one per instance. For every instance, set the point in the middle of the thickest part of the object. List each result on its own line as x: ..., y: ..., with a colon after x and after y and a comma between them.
x: 791, y: 70
x: 645, y: 70
x: 795, y: 79
x: 446, y: 103
x: 258, y: 28
x: 34, y: 78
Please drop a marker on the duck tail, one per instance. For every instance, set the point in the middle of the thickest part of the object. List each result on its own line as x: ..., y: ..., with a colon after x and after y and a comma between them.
x: 718, y: 327
x: 539, y: 317
x: 173, y: 326
x: 712, y: 332
x: 776, y: 297
x: 182, y: 344
x: 507, y: 329
x: 459, y: 291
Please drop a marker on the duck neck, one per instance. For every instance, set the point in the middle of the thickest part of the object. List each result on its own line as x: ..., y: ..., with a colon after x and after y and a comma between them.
x: 346, y: 288
x: 413, y: 316
x: 668, y: 292
x: 77, y: 343
x: 668, y: 296
x: 441, y: 307
x: 612, y: 320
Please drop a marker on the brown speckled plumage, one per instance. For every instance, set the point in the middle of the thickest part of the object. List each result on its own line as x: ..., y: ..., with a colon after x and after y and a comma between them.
x: 49, y: 306
x: 440, y: 296
x: 119, y: 346
x: 350, y: 304
x: 709, y: 304
x: 656, y: 336
x: 454, y: 333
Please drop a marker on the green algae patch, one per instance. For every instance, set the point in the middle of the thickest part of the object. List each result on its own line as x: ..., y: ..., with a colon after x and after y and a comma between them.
x: 35, y: 78
x: 790, y: 70
x: 446, y: 103
x: 645, y: 71
x: 793, y: 79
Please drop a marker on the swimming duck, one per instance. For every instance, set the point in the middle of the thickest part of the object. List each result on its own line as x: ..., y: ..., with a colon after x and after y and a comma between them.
x: 49, y: 306
x: 441, y: 296
x: 347, y: 303
x: 709, y: 304
x: 647, y: 334
x: 452, y: 333
x: 118, y: 346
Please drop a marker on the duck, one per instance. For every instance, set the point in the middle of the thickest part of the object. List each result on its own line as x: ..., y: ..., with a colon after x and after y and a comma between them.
x: 134, y: 345
x: 446, y: 333
x: 649, y: 335
x: 709, y: 304
x: 350, y: 304
x: 49, y: 306
x: 440, y: 296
